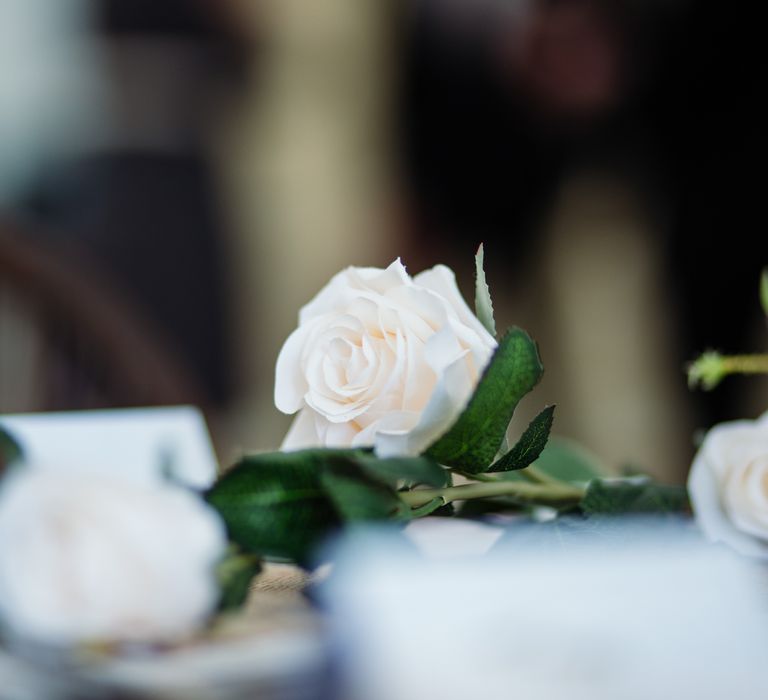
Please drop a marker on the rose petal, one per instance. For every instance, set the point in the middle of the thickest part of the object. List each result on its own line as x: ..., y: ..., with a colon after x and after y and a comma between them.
x: 441, y: 280
x: 337, y: 434
x: 744, y: 498
x: 704, y: 488
x: 381, y: 281
x: 87, y: 557
x: 331, y: 298
x: 419, y: 309
x: 302, y: 433
x: 333, y: 410
x: 290, y: 382
x: 726, y: 443
x: 442, y: 350
x: 479, y: 353
x: 392, y: 423
x: 450, y: 396
x: 418, y: 377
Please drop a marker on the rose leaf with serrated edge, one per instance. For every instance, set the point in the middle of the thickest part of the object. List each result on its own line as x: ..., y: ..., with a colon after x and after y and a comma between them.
x: 529, y: 446
x: 276, y: 505
x: 473, y: 441
x: 356, y: 496
x: 635, y: 494
x: 410, y: 471
x: 483, y: 303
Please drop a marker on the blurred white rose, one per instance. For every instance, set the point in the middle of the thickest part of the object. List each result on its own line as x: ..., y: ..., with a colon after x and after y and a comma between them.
x: 728, y: 486
x: 85, y: 557
x: 381, y: 359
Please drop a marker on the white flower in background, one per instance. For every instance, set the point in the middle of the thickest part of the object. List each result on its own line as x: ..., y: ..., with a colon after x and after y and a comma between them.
x: 728, y: 486
x: 381, y: 359
x: 95, y: 558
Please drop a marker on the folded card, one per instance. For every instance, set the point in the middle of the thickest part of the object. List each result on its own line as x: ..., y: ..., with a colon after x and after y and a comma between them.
x: 142, y: 443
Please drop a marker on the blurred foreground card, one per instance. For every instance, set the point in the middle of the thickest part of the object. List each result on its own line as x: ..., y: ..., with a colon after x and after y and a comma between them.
x: 634, y: 611
x: 141, y: 443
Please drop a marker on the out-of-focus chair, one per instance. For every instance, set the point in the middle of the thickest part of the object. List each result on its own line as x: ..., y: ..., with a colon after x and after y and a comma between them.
x: 70, y: 340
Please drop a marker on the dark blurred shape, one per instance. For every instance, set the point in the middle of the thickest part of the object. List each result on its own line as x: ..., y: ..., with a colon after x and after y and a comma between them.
x: 494, y: 109
x: 568, y: 58
x: 186, y: 18
x: 708, y: 124
x: 501, y: 101
x: 149, y: 223
x: 91, y: 348
x: 143, y: 205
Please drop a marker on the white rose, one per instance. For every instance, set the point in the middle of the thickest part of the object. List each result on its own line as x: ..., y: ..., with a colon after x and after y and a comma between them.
x: 381, y: 359
x: 93, y: 558
x: 728, y: 486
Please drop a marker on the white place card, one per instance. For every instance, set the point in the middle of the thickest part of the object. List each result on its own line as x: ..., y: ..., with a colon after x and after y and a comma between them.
x: 142, y: 443
x: 632, y: 615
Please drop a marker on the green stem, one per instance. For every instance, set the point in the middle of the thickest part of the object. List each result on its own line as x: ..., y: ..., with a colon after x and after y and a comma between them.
x: 745, y: 364
x: 711, y: 368
x: 555, y: 494
x: 475, y: 477
x: 530, y: 472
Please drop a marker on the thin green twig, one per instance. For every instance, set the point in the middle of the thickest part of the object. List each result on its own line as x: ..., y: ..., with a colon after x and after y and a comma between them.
x: 712, y: 367
x: 556, y: 493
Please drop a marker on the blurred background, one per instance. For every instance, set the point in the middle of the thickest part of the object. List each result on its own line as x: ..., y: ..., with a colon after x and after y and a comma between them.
x: 177, y: 178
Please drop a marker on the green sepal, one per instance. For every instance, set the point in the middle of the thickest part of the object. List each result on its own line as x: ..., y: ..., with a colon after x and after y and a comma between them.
x: 473, y: 441
x: 764, y: 290
x: 483, y: 303
x: 529, y: 446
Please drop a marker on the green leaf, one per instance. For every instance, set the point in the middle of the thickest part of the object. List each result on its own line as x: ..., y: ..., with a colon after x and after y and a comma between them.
x: 483, y: 303
x: 10, y: 451
x: 408, y: 471
x: 275, y: 504
x: 632, y: 495
x: 474, y: 440
x: 235, y: 575
x: 529, y: 446
x: 284, y: 504
x: 764, y: 291
x: 566, y: 460
x: 355, y: 495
